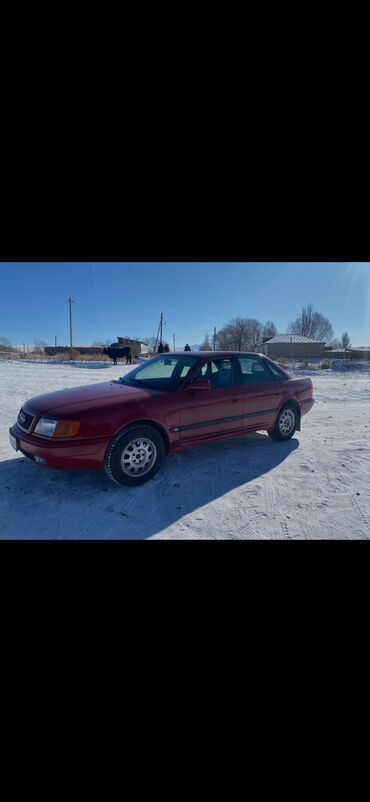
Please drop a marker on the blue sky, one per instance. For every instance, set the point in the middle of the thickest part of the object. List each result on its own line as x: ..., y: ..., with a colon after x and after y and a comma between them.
x: 124, y: 299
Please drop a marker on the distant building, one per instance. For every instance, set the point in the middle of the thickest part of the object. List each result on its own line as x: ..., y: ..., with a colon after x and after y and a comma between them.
x: 25, y: 348
x: 292, y: 346
x: 355, y: 353
x: 137, y: 346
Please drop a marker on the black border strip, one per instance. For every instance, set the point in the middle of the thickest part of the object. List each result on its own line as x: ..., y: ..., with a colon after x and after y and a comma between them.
x: 217, y: 421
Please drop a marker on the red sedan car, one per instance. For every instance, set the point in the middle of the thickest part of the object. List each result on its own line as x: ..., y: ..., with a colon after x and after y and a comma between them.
x: 170, y: 402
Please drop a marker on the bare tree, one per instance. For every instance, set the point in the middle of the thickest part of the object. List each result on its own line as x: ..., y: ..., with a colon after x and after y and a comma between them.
x: 151, y: 343
x: 222, y: 340
x: 334, y: 343
x: 205, y: 346
x: 255, y: 335
x: 232, y: 336
x: 269, y: 329
x: 240, y: 334
x: 5, y: 344
x: 101, y: 343
x: 312, y: 324
x: 346, y: 342
x: 39, y: 346
x: 239, y: 331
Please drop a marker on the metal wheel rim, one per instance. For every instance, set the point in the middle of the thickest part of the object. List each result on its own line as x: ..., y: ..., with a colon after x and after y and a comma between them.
x: 286, y: 421
x: 138, y: 456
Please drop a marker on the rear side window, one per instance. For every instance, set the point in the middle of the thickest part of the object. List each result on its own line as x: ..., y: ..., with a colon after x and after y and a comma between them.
x: 277, y: 373
x: 254, y: 371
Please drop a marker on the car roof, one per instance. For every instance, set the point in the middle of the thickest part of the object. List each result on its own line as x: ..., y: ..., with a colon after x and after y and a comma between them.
x: 214, y: 353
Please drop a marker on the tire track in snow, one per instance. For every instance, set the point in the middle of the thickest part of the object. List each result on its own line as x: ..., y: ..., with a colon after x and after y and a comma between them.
x: 347, y: 481
x: 271, y: 507
x: 246, y: 532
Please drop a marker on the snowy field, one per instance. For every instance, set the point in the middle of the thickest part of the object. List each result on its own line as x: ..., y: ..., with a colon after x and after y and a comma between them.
x: 315, y: 486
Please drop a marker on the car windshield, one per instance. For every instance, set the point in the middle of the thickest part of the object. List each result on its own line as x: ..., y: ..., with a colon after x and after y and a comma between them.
x: 163, y: 372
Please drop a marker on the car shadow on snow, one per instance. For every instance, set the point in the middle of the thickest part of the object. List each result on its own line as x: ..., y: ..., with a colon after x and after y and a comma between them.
x: 36, y: 502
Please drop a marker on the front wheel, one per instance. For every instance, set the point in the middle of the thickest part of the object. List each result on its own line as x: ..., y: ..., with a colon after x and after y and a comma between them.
x: 286, y: 423
x: 134, y: 456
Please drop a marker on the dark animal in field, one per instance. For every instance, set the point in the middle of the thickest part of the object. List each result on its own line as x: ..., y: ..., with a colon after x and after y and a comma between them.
x: 115, y: 352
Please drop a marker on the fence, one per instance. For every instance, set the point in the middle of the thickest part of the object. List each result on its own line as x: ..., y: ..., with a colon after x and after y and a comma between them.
x: 319, y: 363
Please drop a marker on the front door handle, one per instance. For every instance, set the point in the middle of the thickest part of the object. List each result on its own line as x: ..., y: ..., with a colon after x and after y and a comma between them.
x: 234, y: 400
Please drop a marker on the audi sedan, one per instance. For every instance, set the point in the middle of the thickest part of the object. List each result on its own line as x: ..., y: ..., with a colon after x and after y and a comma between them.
x: 168, y: 403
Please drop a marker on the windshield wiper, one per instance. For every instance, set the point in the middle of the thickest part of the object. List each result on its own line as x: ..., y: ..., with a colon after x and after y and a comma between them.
x: 136, y: 383
x: 128, y: 381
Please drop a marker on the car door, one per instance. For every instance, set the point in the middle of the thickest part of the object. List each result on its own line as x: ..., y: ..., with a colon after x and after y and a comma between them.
x: 219, y: 410
x: 261, y: 393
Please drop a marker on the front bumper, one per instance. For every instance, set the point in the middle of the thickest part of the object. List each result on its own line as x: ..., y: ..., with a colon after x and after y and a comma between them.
x: 79, y: 454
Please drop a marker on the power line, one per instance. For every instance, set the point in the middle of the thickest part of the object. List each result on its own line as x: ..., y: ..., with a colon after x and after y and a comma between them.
x: 181, y: 326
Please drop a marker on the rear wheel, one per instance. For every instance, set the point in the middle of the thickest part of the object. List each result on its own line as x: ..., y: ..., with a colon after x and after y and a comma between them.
x: 134, y: 456
x: 286, y: 423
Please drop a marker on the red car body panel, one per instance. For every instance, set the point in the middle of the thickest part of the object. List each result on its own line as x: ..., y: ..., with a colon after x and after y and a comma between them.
x: 184, y: 416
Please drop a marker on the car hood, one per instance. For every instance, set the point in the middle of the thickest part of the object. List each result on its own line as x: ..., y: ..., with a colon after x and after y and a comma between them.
x: 78, y: 399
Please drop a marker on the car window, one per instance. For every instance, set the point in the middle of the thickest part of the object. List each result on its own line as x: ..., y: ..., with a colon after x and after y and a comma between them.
x: 219, y: 372
x: 185, y: 370
x: 275, y: 370
x: 254, y: 371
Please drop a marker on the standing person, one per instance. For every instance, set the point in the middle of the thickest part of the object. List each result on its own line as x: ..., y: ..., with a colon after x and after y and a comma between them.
x: 187, y: 347
x: 160, y: 349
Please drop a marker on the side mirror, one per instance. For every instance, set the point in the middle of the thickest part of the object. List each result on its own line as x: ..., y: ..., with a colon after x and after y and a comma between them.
x: 198, y: 384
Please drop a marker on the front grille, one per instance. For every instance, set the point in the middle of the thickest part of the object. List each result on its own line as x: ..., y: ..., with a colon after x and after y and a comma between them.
x: 25, y: 420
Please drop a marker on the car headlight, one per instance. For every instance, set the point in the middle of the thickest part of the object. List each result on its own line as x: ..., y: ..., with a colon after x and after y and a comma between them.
x: 46, y: 427
x: 55, y: 428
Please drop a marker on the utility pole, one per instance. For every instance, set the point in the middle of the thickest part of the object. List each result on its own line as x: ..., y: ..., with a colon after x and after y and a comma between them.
x: 70, y: 302
x: 161, y: 328
x: 174, y: 342
x: 55, y: 338
x: 214, y: 338
x: 156, y: 341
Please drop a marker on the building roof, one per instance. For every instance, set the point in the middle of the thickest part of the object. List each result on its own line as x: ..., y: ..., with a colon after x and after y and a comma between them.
x: 287, y: 338
x: 130, y: 340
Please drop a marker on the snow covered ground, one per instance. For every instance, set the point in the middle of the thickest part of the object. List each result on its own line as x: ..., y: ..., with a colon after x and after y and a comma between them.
x: 315, y: 486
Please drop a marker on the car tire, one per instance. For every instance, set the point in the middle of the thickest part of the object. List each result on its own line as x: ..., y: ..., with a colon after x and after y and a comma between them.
x: 134, y: 456
x: 286, y: 424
